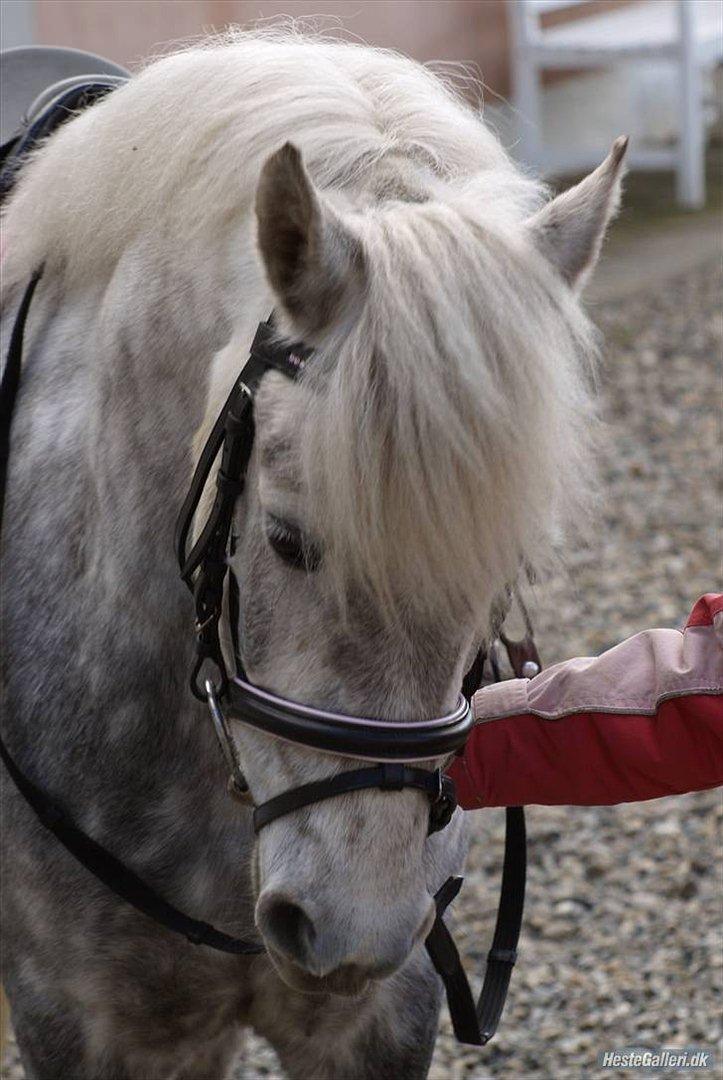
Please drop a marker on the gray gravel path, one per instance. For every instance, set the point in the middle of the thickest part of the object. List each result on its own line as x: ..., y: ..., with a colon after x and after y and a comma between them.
x: 622, y: 941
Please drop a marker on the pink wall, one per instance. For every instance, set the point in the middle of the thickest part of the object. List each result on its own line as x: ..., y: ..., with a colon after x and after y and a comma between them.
x: 473, y: 31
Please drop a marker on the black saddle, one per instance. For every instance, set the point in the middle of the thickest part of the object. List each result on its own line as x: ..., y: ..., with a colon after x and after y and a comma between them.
x: 40, y: 88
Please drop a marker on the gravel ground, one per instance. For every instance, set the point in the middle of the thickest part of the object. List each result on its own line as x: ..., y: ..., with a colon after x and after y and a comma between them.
x: 622, y: 940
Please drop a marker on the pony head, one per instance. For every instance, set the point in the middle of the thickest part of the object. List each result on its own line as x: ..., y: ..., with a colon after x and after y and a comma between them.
x: 436, y: 443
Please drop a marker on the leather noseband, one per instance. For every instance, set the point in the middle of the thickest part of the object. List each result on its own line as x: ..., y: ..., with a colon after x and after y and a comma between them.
x: 395, y: 746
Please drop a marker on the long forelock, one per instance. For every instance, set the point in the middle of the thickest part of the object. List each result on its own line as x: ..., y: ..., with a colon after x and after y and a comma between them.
x: 449, y: 441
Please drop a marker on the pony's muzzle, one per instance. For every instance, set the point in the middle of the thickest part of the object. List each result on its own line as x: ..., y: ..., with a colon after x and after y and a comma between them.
x: 323, y: 946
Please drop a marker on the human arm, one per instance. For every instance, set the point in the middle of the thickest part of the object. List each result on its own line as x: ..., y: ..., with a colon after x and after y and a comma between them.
x: 643, y: 720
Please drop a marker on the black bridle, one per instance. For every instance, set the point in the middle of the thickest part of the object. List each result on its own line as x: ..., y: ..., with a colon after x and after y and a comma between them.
x: 392, y: 747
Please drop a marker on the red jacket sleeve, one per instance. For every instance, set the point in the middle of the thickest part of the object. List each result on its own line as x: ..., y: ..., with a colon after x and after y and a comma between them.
x: 643, y: 720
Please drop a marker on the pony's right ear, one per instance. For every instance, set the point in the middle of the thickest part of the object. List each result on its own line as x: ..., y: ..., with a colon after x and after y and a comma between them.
x: 313, y: 262
x: 569, y: 231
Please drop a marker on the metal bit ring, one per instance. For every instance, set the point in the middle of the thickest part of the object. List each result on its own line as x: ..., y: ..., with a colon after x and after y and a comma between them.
x: 237, y: 780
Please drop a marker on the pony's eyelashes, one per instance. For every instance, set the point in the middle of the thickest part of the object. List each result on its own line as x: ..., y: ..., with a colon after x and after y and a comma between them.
x: 291, y: 545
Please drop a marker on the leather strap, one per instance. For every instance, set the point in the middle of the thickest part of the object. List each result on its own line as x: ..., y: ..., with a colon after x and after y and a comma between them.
x: 11, y: 382
x: 201, y: 473
x: 119, y: 878
x: 389, y: 777
x: 473, y: 678
x: 476, y: 1024
x: 264, y: 354
x: 232, y: 435
x: 373, y: 740
x: 503, y: 954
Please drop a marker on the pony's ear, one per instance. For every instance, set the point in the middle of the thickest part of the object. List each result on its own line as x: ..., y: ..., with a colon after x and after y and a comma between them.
x: 569, y: 231
x: 313, y: 263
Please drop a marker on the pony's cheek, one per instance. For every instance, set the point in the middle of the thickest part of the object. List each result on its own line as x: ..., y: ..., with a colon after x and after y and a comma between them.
x: 255, y: 871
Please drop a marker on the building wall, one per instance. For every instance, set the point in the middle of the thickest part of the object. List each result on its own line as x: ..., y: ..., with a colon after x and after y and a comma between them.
x: 471, y: 31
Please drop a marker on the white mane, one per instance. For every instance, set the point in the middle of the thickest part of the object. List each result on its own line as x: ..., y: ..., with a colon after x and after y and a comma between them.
x: 180, y: 147
x: 450, y: 436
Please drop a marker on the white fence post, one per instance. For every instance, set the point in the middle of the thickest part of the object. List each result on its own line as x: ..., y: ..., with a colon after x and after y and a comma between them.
x: 526, y: 89
x: 690, y: 173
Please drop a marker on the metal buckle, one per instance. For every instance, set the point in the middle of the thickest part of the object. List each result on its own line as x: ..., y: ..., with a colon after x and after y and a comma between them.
x: 199, y: 627
x: 203, y: 655
x: 443, y: 804
x: 237, y: 780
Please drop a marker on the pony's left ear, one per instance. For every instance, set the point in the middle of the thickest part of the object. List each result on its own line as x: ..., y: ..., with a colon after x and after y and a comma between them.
x: 569, y: 231
x: 313, y: 262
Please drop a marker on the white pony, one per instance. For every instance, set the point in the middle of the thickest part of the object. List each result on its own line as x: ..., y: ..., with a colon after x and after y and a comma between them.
x: 439, y: 441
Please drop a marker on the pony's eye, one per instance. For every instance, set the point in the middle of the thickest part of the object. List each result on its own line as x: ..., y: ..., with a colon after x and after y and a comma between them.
x: 291, y: 545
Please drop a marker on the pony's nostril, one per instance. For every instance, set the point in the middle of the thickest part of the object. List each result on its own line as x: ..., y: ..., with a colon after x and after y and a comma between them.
x: 287, y: 927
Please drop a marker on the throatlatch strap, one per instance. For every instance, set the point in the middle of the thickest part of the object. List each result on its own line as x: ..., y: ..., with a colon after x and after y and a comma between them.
x: 503, y: 954
x: 476, y: 1024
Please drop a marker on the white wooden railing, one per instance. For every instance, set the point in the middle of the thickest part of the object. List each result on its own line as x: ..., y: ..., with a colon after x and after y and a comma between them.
x: 688, y: 33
